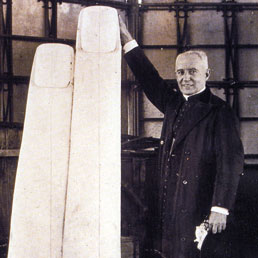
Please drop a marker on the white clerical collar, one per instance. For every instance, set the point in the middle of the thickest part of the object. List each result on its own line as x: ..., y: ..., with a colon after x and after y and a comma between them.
x: 187, y: 96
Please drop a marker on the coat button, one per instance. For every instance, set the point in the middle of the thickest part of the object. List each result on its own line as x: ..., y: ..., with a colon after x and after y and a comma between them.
x: 177, y: 174
x: 161, y: 142
x: 185, y: 182
x: 182, y: 239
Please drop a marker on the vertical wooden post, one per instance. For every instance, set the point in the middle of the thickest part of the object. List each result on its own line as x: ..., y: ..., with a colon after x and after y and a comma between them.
x: 134, y: 116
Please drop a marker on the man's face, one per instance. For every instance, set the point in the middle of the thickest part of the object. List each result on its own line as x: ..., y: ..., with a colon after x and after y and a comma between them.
x: 191, y: 74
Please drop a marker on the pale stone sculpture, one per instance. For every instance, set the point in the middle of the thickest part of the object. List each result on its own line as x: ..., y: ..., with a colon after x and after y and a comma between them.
x: 92, y: 220
x: 40, y: 188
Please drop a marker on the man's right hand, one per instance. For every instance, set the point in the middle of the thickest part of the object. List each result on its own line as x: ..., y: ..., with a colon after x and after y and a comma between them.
x: 124, y: 33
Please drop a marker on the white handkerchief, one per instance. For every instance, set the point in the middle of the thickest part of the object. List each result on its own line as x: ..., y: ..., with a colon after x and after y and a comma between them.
x: 200, y: 233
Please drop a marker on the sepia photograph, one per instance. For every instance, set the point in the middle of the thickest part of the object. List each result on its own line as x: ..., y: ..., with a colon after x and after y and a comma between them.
x: 129, y: 129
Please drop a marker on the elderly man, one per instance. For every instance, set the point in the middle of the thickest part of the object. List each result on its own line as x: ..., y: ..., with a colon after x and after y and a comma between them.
x: 201, y: 154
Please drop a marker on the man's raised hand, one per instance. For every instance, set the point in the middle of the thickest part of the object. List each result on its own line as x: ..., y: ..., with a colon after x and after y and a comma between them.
x: 124, y: 33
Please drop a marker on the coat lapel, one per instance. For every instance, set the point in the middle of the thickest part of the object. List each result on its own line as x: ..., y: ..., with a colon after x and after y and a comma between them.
x: 172, y: 113
x: 192, y: 118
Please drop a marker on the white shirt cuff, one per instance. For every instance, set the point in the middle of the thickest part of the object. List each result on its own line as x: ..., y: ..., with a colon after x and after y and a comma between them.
x: 220, y: 210
x: 130, y: 45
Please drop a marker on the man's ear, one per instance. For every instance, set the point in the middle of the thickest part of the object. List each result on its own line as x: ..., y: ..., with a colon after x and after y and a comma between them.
x: 208, y: 73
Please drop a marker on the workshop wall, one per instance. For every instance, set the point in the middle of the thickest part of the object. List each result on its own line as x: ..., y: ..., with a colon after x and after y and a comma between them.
x: 204, y: 27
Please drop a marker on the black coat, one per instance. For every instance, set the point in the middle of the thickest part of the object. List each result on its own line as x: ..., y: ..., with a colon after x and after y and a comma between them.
x: 204, y: 166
